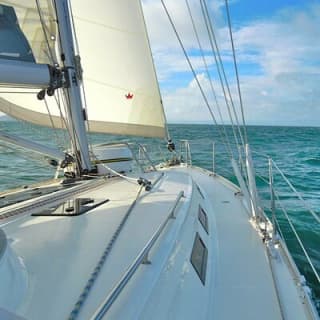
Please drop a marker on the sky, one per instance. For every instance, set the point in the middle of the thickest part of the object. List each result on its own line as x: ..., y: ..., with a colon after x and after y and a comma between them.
x: 277, y: 44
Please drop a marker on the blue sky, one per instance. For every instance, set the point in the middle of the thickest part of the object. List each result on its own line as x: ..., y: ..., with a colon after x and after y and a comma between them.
x: 278, y: 53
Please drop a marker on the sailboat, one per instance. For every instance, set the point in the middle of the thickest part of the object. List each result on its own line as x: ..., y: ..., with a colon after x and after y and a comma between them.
x: 118, y: 236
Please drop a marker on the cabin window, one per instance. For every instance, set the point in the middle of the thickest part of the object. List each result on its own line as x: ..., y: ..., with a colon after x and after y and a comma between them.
x: 203, y: 218
x: 199, y: 258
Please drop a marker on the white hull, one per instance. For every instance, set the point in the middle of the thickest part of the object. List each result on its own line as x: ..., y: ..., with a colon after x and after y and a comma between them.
x: 245, y: 278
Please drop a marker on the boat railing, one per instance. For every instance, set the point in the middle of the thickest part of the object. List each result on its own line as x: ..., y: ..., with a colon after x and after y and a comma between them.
x: 142, y: 258
x: 139, y: 153
x: 143, y: 156
x: 274, y: 182
x: 185, y: 152
x: 280, y: 215
x: 208, y: 150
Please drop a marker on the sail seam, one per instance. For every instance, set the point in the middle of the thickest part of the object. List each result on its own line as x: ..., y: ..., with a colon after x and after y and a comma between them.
x: 106, y: 26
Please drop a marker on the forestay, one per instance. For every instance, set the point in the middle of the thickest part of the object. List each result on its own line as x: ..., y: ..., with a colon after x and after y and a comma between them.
x: 121, y: 87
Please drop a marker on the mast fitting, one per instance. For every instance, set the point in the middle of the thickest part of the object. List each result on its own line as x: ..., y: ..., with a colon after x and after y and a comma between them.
x: 58, y: 79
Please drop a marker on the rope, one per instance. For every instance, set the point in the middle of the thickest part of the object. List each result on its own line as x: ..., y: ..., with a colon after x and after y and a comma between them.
x: 94, y: 275
x: 129, y: 179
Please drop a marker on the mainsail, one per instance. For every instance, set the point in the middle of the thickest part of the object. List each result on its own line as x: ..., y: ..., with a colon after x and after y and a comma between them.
x: 121, y: 88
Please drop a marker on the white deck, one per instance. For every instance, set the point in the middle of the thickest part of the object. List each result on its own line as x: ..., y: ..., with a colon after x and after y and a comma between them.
x: 243, y: 285
x: 60, y: 253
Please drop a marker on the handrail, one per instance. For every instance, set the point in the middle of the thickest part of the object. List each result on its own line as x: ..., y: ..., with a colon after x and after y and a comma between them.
x: 141, y: 258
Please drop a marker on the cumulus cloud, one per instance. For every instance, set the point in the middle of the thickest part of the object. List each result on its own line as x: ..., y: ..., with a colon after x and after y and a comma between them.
x: 278, y: 58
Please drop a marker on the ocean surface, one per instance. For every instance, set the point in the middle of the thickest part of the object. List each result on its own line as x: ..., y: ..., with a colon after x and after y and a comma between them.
x: 295, y: 150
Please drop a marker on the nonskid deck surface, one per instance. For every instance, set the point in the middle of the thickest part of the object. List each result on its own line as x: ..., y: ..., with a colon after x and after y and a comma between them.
x: 243, y: 287
x: 30, y: 192
x: 60, y: 254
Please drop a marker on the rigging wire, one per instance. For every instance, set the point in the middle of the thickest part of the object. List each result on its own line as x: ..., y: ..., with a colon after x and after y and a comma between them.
x: 72, y: 131
x: 214, y: 52
x: 84, y: 98
x: 44, y: 28
x: 221, y: 70
x: 52, y: 124
x: 62, y: 118
x: 192, y: 70
x: 66, y: 101
x: 237, y: 73
x: 208, y: 73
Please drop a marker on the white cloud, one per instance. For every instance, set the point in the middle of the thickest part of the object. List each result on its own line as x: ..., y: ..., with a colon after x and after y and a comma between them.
x: 279, y: 63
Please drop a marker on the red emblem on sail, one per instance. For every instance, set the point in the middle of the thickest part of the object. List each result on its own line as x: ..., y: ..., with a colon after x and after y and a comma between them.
x: 129, y: 95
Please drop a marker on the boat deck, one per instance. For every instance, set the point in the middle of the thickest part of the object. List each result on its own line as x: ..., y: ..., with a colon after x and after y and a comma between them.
x: 61, y: 255
x: 243, y: 284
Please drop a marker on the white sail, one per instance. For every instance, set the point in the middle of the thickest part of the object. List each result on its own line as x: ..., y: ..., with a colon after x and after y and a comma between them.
x: 121, y: 88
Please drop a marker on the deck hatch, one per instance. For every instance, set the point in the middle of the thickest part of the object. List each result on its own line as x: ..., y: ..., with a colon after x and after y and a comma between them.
x: 203, y: 218
x: 199, y: 258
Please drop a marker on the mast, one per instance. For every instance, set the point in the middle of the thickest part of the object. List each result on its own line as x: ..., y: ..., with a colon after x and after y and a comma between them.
x: 75, y: 110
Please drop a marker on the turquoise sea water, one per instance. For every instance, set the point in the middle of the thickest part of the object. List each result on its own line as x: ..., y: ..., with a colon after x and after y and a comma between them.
x: 296, y: 150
